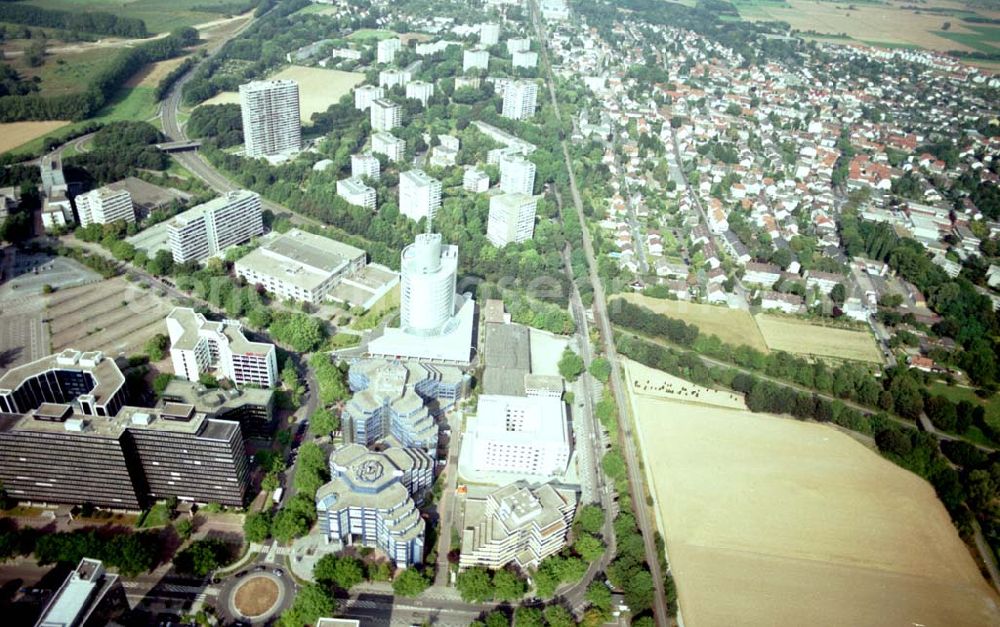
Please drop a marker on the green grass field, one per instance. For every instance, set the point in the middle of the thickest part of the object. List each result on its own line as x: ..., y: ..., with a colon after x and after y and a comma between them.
x: 67, y: 73
x: 984, y: 39
x: 160, y: 15
x: 955, y: 394
x: 371, y: 33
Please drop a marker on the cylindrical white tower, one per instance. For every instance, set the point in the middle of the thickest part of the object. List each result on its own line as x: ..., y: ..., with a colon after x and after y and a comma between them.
x: 427, y: 285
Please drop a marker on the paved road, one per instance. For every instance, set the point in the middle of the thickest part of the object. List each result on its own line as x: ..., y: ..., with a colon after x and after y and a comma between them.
x: 604, y: 326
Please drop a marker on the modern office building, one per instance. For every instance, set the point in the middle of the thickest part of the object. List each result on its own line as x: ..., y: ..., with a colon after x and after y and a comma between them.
x: 365, y: 165
x: 90, y: 596
x: 517, y: 175
x: 419, y: 195
x: 437, y: 324
x: 517, y: 523
x: 518, y: 44
x: 512, y: 219
x: 475, y: 180
x: 271, y: 122
x: 385, y: 115
x: 365, y: 95
x: 104, y: 206
x: 420, y: 90
x: 300, y: 266
x: 369, y: 501
x: 357, y: 193
x: 211, y: 227
x: 475, y: 60
x: 489, y: 33
x: 253, y: 408
x: 439, y: 386
x: 519, y: 100
x: 526, y: 59
x: 518, y: 435
x: 65, y: 437
x: 389, y: 145
x: 386, y: 49
x: 198, y: 345
x: 389, y: 406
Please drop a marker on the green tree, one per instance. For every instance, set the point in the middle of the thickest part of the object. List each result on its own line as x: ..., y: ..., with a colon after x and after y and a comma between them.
x: 343, y: 572
x: 570, y: 365
x: 614, y: 465
x: 528, y: 617
x: 410, y: 583
x: 588, y: 547
x: 559, y: 616
x: 474, y: 585
x: 202, y: 557
x: 599, y: 596
x: 379, y: 571
x: 257, y: 526
x: 184, y: 528
x: 507, y: 586
x: 323, y: 422
x: 157, y: 347
x: 600, y: 368
x: 590, y: 518
x: 311, y: 603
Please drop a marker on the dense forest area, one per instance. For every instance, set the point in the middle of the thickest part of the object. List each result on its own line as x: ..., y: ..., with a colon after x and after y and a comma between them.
x: 97, y: 22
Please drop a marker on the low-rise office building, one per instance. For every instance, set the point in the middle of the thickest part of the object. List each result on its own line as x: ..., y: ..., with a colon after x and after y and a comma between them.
x: 252, y: 407
x: 199, y: 345
x: 90, y: 596
x: 300, y: 266
x: 389, y: 406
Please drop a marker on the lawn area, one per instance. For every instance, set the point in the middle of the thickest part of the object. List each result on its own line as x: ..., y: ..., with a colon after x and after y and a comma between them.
x: 371, y: 33
x: 982, y: 38
x: 733, y: 326
x: 160, y: 16
x: 957, y: 393
x: 66, y: 73
x: 317, y: 9
x: 157, y: 516
x: 800, y: 337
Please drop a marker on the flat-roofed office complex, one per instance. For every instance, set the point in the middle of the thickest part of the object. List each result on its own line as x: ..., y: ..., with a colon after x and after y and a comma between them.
x: 520, y: 435
x: 104, y: 206
x: 271, y: 122
x: 390, y: 406
x: 211, y: 227
x: 199, y: 345
x: 300, y: 266
x: 76, y: 443
x: 90, y: 596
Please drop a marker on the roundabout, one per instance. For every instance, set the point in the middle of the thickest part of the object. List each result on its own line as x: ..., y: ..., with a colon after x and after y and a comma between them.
x: 257, y: 596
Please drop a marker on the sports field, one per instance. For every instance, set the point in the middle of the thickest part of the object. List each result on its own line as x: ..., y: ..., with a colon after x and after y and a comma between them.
x: 770, y: 521
x: 318, y: 88
x: 874, y: 23
x: 733, y: 326
x: 13, y: 134
x: 811, y: 340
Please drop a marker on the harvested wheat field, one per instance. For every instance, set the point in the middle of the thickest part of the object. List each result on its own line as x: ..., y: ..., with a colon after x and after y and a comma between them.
x: 318, y: 88
x: 14, y: 134
x: 658, y: 384
x: 770, y: 521
x: 733, y: 326
x: 153, y: 73
x: 812, y: 340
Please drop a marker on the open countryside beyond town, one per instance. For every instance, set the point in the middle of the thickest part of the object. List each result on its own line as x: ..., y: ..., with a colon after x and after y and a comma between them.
x: 511, y: 313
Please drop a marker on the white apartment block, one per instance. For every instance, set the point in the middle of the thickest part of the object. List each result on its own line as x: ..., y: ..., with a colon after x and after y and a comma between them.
x: 475, y: 60
x: 525, y: 58
x: 518, y: 44
x: 475, y: 180
x: 365, y: 95
x: 516, y: 523
x: 356, y: 193
x: 419, y: 195
x: 519, y: 435
x: 211, y: 227
x: 389, y: 145
x: 519, y: 100
x: 271, y: 123
x: 420, y: 90
x: 390, y: 78
x: 386, y: 50
x: 385, y: 115
x: 300, y: 266
x: 198, y: 345
x: 104, y: 206
x: 517, y: 175
x: 365, y: 165
x: 512, y: 219
x: 489, y: 33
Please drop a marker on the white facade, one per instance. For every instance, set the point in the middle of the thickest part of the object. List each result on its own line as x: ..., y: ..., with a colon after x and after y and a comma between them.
x: 386, y: 49
x: 390, y: 78
x: 198, y: 345
x: 271, y: 123
x: 525, y: 58
x: 389, y: 145
x: 518, y: 44
x: 356, y: 193
x: 365, y: 95
x: 517, y: 175
x: 519, y: 435
x: 427, y: 294
x: 489, y: 34
x: 519, y: 100
x: 475, y: 60
x: 104, y: 206
x: 420, y: 90
x: 419, y: 195
x: 512, y: 219
x: 475, y: 180
x: 385, y: 115
x: 209, y: 228
x: 365, y: 165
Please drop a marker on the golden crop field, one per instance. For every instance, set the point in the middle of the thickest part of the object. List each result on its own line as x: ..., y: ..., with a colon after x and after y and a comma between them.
x: 318, y: 88
x: 770, y: 521
x: 733, y: 326
x: 152, y: 74
x: 812, y: 340
x: 14, y: 134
